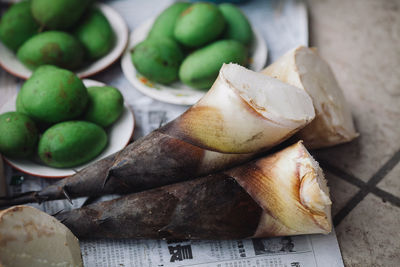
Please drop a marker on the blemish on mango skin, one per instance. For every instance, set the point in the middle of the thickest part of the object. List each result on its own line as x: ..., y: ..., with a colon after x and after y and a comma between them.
x: 71, y: 79
x: 62, y: 93
x: 186, y: 11
x: 51, y: 51
x: 30, y: 127
x: 48, y: 155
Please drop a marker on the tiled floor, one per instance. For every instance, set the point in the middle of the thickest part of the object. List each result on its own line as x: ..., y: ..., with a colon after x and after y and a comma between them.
x: 341, y: 191
x: 391, y: 183
x: 361, y: 41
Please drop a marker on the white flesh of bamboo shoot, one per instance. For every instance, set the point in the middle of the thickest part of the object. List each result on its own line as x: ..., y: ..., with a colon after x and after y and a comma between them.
x: 291, y: 189
x: 244, y: 112
x: 30, y: 237
x: 304, y: 68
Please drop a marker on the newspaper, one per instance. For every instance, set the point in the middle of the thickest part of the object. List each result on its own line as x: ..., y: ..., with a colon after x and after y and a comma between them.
x: 283, y: 24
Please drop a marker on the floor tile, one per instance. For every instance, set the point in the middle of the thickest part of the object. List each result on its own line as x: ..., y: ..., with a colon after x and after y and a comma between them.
x: 359, y: 39
x: 340, y: 191
x: 391, y: 183
x: 369, y: 235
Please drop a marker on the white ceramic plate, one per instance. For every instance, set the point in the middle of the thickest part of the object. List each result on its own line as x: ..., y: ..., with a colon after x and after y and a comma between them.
x: 119, y: 135
x: 178, y: 93
x: 11, y: 64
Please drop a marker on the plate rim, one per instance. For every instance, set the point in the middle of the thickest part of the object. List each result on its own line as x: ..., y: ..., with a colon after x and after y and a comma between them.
x: 124, y: 38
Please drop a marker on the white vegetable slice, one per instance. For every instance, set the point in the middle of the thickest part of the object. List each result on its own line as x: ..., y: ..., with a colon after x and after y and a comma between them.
x: 304, y: 68
x: 30, y: 237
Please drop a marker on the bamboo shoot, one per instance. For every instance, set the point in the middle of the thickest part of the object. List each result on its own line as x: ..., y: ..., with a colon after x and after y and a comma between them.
x: 282, y: 194
x: 333, y: 123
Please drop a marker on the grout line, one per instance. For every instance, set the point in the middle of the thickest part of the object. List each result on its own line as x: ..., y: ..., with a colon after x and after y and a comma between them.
x: 386, y: 196
x: 385, y: 169
x: 341, y: 174
x: 365, y: 188
x: 357, y: 198
x: 350, y: 205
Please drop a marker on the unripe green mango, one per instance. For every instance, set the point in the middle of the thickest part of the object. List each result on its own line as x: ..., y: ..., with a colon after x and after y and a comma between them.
x: 95, y: 34
x: 199, y: 24
x: 200, y: 69
x: 17, y: 25
x: 58, y: 14
x: 158, y: 59
x: 71, y: 143
x: 18, y: 135
x: 52, y: 95
x: 105, y: 105
x: 237, y: 25
x: 52, y: 47
x: 164, y: 24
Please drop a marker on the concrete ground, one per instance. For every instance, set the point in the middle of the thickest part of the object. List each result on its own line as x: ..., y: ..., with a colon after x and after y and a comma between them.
x: 361, y: 41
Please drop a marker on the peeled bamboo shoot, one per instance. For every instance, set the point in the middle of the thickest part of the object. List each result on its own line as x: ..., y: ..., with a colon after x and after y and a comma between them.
x: 333, y: 123
x: 30, y: 237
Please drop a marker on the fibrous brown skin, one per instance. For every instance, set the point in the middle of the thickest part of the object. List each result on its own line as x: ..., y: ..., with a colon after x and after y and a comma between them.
x: 304, y: 68
x: 241, y: 116
x: 214, y: 206
x: 283, y: 194
x: 88, y: 182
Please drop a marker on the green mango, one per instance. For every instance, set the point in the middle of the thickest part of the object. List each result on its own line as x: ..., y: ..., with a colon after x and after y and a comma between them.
x: 105, y: 105
x: 164, y: 24
x: 71, y: 143
x: 58, y: 14
x: 237, y: 25
x: 95, y: 34
x: 199, y: 24
x: 52, y: 95
x: 200, y: 69
x: 17, y: 25
x: 52, y: 47
x: 158, y: 59
x: 18, y: 135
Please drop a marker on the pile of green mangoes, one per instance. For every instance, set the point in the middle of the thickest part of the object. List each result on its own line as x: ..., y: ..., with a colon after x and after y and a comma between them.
x: 58, y: 119
x: 190, y: 42
x: 64, y: 33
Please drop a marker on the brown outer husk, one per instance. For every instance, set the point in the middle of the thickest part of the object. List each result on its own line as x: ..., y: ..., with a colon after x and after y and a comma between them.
x: 243, y: 202
x: 87, y: 182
